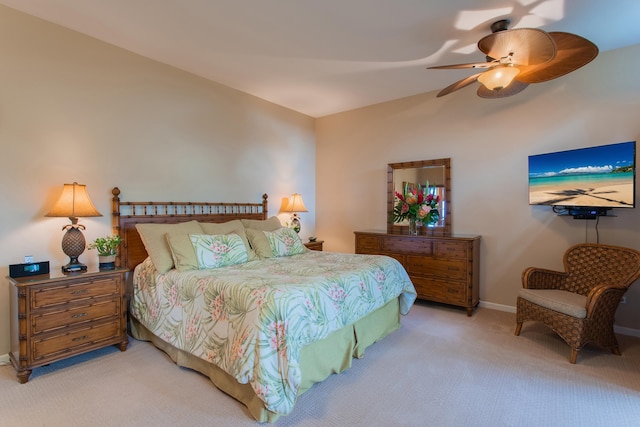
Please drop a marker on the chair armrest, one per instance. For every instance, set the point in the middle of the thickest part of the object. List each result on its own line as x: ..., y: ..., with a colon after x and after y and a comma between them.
x: 540, y: 278
x: 604, y: 295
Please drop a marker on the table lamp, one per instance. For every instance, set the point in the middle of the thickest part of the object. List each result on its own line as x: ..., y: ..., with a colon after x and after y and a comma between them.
x: 295, y: 205
x: 73, y: 203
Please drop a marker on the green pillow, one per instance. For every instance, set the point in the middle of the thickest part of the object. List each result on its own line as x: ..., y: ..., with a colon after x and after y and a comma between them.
x: 285, y: 242
x: 281, y: 242
x: 259, y: 243
x: 155, y: 241
x: 271, y: 224
x: 184, y: 257
x: 221, y: 250
x: 229, y: 227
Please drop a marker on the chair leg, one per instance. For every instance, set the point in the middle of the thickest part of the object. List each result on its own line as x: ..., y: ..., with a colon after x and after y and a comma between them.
x: 518, y: 328
x: 574, y: 356
x: 616, y: 351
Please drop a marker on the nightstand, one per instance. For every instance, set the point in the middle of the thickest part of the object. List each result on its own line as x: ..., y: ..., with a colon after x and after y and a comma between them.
x: 56, y: 316
x: 315, y: 246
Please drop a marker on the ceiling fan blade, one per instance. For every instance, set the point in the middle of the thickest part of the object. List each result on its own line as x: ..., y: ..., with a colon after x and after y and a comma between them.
x: 458, y: 85
x: 514, y: 87
x: 573, y: 52
x: 470, y: 65
x: 526, y: 46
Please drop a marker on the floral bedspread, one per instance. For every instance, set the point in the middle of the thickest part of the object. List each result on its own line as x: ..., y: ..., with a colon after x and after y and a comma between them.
x: 252, y: 319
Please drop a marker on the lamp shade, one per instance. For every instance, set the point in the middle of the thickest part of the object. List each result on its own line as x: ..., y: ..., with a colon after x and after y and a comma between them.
x: 296, y: 204
x: 499, y: 77
x: 74, y: 202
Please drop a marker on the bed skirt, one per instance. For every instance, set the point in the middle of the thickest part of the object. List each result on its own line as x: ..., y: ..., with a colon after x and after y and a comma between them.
x: 317, y: 360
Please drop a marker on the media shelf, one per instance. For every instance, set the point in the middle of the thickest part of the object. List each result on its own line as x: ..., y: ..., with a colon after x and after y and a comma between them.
x: 582, y: 212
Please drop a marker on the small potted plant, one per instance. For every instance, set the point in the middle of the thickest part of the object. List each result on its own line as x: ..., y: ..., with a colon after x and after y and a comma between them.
x: 107, y: 248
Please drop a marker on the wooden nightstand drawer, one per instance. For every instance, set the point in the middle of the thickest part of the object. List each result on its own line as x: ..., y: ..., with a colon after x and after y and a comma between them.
x: 316, y: 245
x: 53, y: 295
x: 61, y: 319
x: 95, y: 335
x: 449, y: 268
x: 440, y: 290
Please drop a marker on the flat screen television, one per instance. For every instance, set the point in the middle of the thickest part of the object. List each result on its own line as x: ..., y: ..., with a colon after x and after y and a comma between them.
x: 585, y: 182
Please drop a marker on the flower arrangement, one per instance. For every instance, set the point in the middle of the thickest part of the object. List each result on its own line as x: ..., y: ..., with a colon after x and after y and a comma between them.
x: 106, y: 245
x: 417, y: 204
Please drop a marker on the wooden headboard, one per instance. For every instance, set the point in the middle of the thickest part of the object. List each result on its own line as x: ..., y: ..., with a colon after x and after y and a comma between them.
x: 125, y: 216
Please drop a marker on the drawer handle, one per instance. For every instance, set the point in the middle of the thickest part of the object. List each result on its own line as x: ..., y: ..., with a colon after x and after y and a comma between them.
x: 80, y: 291
x: 453, y: 269
x: 79, y: 315
x: 452, y: 291
x: 84, y: 337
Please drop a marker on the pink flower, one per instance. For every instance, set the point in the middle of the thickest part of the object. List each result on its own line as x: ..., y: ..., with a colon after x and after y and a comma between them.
x: 217, y: 308
x: 173, y: 296
x: 278, y: 340
x: 192, y: 328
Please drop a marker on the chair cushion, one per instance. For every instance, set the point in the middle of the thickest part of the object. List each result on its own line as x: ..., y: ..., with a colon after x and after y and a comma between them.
x: 561, y: 301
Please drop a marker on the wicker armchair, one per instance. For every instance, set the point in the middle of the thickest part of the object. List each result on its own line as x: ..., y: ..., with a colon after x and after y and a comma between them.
x: 579, y: 304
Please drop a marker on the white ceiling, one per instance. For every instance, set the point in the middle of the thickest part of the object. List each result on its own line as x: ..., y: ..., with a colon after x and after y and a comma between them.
x: 320, y: 57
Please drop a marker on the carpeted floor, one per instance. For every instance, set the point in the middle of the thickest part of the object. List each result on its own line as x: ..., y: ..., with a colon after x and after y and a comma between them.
x: 441, y: 368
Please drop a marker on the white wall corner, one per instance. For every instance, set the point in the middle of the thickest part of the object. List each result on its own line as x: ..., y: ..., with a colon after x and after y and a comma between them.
x: 4, y: 359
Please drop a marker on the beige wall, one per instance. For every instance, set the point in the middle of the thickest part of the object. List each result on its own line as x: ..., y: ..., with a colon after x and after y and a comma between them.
x: 75, y: 109
x: 488, y: 142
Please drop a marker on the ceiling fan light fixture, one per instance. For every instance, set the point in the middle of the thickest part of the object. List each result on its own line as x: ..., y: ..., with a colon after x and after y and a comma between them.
x: 530, y: 54
x: 499, y: 77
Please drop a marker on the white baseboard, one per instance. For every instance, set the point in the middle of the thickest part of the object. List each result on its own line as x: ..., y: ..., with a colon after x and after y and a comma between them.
x: 511, y: 309
x: 4, y: 359
x: 499, y: 307
x: 626, y: 331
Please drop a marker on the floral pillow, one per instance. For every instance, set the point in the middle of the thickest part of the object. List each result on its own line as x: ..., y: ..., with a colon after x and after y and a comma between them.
x: 284, y: 242
x: 220, y: 250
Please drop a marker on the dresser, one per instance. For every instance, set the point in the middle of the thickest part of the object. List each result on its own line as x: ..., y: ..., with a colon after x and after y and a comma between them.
x: 442, y: 269
x: 57, y: 316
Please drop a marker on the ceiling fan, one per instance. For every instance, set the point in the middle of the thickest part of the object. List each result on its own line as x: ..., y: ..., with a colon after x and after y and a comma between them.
x: 519, y: 57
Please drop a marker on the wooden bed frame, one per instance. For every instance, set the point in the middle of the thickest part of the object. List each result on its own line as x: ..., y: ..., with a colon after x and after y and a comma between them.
x: 317, y: 361
x: 125, y: 216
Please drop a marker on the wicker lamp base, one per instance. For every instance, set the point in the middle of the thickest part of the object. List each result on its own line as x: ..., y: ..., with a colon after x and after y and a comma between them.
x: 73, y: 245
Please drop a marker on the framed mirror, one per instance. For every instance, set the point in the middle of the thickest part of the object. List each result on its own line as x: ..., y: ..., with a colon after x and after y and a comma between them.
x: 438, y: 173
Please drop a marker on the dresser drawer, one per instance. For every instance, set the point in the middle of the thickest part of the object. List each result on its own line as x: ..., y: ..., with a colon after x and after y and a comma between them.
x: 450, y: 249
x: 407, y: 245
x: 75, y: 340
x: 449, y: 268
x: 441, y: 291
x: 60, y: 319
x: 367, y: 242
x: 402, y: 259
x: 53, y: 295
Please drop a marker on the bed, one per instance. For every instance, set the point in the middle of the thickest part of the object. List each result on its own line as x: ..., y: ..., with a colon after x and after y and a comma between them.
x: 227, y: 291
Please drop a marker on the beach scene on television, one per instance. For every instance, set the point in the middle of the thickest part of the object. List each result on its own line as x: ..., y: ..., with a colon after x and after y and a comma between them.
x: 595, y: 176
